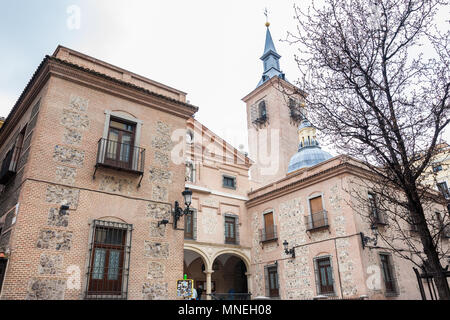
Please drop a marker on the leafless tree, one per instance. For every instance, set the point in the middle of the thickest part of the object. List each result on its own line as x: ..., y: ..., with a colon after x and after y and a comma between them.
x: 377, y: 77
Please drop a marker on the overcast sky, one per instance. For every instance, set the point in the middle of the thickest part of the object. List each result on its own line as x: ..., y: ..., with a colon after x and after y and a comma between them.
x: 209, y: 49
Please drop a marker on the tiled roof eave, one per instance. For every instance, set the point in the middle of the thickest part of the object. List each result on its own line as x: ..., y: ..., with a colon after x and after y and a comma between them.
x: 43, y: 70
x: 340, y: 168
x: 124, y: 83
x: 22, y: 96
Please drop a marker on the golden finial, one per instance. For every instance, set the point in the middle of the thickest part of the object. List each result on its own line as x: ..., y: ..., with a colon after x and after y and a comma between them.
x: 266, y: 13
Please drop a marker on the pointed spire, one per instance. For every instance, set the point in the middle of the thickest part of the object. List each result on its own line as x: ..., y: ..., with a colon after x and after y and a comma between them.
x: 271, y: 59
x: 269, y: 42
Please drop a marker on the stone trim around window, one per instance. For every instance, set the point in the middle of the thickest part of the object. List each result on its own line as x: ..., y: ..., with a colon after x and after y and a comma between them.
x: 229, y: 177
x: 129, y: 118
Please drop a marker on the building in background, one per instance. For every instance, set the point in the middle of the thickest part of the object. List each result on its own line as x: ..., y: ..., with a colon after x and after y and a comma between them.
x: 438, y: 174
x: 217, y: 237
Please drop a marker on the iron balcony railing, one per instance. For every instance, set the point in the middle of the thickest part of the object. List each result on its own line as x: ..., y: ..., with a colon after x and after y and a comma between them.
x: 120, y: 156
x: 9, y: 165
x: 268, y: 233
x: 377, y: 216
x: 316, y: 220
x: 261, y: 119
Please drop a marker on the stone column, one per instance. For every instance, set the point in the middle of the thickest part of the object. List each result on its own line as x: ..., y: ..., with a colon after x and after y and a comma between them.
x: 249, y: 283
x: 208, y: 283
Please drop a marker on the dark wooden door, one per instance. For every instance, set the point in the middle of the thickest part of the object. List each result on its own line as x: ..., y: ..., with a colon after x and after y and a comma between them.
x: 273, y: 282
x: 325, y: 275
x: 230, y: 230
x: 107, y: 261
x: 120, y: 144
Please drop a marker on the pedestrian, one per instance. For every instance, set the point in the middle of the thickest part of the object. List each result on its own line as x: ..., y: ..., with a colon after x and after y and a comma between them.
x: 199, y: 291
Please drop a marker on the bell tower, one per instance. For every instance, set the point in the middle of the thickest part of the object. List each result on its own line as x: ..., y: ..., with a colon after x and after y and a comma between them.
x: 274, y: 111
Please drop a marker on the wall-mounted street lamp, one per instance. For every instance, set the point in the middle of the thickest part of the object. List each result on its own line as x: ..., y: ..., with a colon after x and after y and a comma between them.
x: 365, y: 239
x: 178, y: 212
x: 288, y: 251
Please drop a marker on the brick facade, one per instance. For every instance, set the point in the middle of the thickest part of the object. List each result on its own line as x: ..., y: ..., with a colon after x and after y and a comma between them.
x: 48, y: 248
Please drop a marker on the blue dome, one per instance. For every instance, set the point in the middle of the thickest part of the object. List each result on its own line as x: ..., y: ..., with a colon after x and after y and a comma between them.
x: 308, y: 156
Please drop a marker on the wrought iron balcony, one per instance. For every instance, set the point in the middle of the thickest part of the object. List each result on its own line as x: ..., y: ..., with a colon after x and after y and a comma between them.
x: 261, y: 119
x: 120, y: 156
x: 268, y: 234
x: 377, y: 216
x: 318, y: 220
x: 9, y: 165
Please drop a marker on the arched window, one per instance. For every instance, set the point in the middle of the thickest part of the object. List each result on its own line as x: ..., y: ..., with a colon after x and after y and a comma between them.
x: 262, y: 110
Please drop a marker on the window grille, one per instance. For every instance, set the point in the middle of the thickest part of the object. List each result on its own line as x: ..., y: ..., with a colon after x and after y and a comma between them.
x: 229, y: 182
x: 109, y: 260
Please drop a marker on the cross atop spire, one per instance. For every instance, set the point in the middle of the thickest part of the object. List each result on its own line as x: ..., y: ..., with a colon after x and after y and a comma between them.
x: 266, y: 13
x: 270, y: 57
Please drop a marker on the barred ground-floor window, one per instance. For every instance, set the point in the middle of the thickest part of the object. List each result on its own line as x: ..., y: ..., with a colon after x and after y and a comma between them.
x: 109, y: 259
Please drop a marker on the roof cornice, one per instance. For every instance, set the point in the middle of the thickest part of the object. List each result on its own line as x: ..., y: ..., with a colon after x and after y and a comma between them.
x: 341, y: 168
x: 113, y: 86
x: 114, y: 68
x: 51, y: 66
x: 32, y: 89
x: 271, y: 82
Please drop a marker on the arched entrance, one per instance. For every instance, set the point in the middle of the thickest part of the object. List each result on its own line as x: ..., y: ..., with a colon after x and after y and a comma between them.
x: 222, y: 274
x: 194, y: 267
x: 229, y: 277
